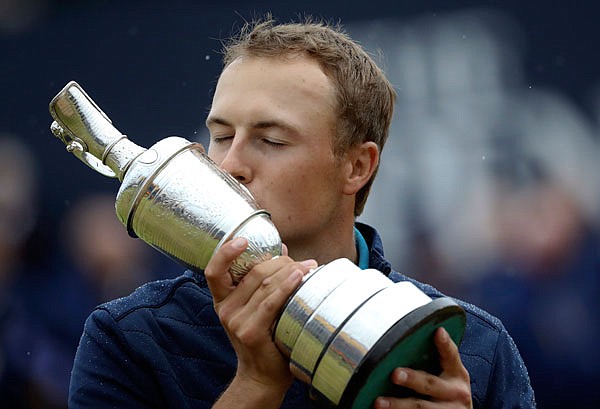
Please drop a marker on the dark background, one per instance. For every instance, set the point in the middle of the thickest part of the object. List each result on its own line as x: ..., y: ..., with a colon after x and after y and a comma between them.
x: 152, y: 67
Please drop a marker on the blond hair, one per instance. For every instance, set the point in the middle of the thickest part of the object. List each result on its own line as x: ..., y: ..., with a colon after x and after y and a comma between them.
x: 365, y: 97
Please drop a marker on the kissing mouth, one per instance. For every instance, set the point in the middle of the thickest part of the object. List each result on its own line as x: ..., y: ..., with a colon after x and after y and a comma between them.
x: 256, y: 198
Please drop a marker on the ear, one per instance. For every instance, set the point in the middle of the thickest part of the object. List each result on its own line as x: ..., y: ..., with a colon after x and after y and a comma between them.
x: 362, y: 162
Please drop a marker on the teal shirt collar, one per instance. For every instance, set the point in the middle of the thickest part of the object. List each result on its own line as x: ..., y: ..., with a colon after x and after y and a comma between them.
x: 362, y: 249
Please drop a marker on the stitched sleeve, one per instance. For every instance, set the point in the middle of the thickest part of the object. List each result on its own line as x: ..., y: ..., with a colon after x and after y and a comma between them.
x: 509, y: 386
x: 104, y: 375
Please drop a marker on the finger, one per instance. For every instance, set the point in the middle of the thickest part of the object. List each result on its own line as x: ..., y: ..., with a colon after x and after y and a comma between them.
x: 217, y: 273
x: 272, y: 277
x: 266, y: 304
x: 451, y: 384
x: 421, y: 382
x: 258, y: 282
x: 450, y: 361
x: 387, y: 402
x: 284, y: 249
x: 263, y: 292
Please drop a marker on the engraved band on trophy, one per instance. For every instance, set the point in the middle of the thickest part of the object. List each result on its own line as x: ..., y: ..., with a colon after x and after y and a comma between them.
x: 343, y: 330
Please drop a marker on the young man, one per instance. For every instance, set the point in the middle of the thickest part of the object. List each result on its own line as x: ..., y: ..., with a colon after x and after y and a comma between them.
x: 299, y: 116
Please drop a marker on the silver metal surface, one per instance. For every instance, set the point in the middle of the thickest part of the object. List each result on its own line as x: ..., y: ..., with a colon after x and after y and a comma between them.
x: 358, y: 335
x: 172, y: 195
x: 336, y: 308
x: 89, y: 134
x: 303, y: 303
x: 176, y: 199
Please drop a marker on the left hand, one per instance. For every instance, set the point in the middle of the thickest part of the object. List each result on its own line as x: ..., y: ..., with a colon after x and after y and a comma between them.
x: 450, y: 389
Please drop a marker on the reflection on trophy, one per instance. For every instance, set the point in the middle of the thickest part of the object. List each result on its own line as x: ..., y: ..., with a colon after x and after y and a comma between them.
x: 344, y: 329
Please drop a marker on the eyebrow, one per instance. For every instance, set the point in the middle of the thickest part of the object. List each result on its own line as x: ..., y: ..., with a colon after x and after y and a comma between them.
x: 216, y: 120
x: 255, y: 125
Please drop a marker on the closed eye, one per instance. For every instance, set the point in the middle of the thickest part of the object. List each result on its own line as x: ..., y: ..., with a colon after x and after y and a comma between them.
x: 220, y: 139
x: 273, y: 142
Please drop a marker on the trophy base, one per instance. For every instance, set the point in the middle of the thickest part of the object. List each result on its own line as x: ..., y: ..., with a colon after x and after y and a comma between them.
x: 408, y: 343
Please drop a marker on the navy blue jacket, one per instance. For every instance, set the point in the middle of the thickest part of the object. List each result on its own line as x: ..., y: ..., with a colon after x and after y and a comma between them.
x: 163, y: 347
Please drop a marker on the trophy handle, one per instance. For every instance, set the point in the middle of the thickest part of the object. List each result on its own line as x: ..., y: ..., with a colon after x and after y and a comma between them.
x: 78, y: 148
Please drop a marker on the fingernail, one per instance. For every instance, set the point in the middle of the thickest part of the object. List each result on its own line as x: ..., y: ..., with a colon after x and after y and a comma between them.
x: 309, y: 263
x: 383, y: 403
x: 295, y: 277
x: 401, y: 376
x: 444, y: 334
x: 238, y: 243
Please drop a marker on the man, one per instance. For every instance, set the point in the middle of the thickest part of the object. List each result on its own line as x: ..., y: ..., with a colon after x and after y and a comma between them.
x: 299, y: 116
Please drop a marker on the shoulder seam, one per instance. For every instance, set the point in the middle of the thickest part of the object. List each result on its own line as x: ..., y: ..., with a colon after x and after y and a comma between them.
x: 124, y: 314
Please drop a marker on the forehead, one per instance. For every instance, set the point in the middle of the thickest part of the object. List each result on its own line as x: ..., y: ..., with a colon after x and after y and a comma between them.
x: 294, y: 90
x: 294, y: 74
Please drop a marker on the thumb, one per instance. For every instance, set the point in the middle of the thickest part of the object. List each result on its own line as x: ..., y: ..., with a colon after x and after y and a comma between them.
x: 217, y: 273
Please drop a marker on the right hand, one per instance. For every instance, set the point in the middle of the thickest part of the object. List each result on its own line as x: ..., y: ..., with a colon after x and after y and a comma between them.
x: 248, y: 312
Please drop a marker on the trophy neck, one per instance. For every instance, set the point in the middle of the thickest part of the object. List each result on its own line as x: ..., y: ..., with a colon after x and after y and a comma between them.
x: 120, y: 155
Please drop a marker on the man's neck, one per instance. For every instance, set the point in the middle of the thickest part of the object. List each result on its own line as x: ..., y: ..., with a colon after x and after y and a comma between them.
x: 327, y: 248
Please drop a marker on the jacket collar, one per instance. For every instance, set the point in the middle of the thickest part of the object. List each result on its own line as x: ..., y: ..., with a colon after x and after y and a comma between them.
x: 376, y: 258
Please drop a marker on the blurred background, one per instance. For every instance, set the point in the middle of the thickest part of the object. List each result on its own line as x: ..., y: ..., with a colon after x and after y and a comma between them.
x: 489, y: 187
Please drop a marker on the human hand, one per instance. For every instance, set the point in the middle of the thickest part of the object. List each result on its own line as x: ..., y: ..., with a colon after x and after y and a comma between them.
x: 450, y: 389
x: 248, y: 312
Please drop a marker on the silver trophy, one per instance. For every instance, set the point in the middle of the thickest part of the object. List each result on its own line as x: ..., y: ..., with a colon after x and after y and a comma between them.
x: 344, y: 329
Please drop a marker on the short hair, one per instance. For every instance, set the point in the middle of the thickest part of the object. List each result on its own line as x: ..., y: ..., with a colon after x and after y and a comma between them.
x: 365, y: 97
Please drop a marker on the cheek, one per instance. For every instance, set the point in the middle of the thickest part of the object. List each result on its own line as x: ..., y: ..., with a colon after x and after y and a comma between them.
x: 310, y: 186
x: 292, y: 190
x: 299, y: 187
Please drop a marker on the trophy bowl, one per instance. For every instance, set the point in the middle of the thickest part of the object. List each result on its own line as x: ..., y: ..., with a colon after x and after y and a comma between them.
x: 176, y: 199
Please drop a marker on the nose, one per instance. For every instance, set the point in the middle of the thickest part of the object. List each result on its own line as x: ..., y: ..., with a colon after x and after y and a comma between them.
x: 236, y: 162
